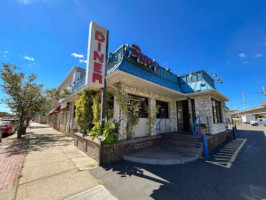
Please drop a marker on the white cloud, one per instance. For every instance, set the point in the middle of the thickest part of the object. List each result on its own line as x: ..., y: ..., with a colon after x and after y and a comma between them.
x: 258, y: 55
x: 242, y: 55
x: 246, y: 62
x: 82, y: 61
x: 6, y: 52
x: 77, y: 55
x: 29, y: 58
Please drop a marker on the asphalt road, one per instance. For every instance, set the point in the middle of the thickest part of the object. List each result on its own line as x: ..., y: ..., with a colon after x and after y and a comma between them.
x: 245, y: 179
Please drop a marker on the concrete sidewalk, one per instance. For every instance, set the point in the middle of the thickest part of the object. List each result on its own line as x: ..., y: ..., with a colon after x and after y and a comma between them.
x: 53, y: 168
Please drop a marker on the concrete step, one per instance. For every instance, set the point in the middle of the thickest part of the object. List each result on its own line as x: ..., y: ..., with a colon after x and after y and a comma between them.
x: 185, y: 149
x: 162, y: 156
x: 181, y: 143
x: 179, y: 136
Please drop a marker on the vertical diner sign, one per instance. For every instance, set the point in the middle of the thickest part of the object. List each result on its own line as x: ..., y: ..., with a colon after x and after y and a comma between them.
x: 95, y: 71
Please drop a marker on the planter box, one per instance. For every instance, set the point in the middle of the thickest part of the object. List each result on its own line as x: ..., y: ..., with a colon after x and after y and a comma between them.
x: 112, y: 153
x: 92, y: 148
x: 72, y: 131
x: 216, y: 139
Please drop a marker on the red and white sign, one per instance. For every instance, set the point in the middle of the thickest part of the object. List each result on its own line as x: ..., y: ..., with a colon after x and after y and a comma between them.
x: 97, y: 52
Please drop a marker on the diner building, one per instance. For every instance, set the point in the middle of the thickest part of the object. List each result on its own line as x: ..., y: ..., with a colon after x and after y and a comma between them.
x: 181, y: 98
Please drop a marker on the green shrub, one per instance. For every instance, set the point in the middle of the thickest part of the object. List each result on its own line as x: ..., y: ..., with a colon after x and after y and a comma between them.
x: 110, y: 132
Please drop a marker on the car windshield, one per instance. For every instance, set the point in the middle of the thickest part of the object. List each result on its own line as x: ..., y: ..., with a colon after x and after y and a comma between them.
x: 3, y: 123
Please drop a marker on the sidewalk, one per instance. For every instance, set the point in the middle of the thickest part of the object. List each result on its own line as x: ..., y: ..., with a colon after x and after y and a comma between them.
x: 53, y: 168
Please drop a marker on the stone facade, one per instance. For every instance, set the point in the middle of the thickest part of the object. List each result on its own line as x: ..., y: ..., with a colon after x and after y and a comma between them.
x: 203, y: 108
x: 141, y: 129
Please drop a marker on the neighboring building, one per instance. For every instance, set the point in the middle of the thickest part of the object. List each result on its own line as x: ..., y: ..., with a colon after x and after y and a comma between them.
x: 62, y: 117
x: 181, y: 98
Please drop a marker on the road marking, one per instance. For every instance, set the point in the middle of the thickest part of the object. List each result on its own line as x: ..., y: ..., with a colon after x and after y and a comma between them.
x: 226, y: 158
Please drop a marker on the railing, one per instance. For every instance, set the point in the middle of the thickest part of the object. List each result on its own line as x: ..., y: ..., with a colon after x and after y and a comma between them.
x: 158, y: 125
x: 196, y: 129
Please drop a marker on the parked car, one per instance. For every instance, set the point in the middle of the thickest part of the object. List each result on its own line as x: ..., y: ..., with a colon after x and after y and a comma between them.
x: 7, y: 127
x: 258, y: 122
x: 15, y: 121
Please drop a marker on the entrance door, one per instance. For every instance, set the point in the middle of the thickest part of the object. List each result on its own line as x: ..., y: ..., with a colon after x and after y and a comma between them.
x: 183, y: 117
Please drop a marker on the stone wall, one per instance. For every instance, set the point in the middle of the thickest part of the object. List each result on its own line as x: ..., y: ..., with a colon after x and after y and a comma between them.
x: 203, y: 108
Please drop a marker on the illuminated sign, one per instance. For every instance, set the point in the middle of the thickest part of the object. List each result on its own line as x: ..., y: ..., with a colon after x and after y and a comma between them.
x: 98, y: 41
x: 135, y: 52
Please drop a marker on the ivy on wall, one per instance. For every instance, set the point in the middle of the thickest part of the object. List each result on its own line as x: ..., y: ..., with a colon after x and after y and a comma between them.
x: 152, y: 117
x: 88, y: 109
x: 129, y: 107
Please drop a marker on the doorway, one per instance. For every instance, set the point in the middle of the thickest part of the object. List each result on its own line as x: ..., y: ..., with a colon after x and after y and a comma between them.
x: 183, y: 116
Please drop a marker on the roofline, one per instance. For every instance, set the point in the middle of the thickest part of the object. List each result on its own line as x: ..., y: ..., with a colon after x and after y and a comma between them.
x: 126, y: 73
x: 69, y: 73
x: 207, y: 92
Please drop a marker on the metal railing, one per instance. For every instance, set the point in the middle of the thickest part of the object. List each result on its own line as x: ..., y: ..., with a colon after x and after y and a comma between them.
x: 158, y: 125
x: 196, y: 129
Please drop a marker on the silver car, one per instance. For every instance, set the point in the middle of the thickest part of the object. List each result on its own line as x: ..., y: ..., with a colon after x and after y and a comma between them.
x: 258, y: 122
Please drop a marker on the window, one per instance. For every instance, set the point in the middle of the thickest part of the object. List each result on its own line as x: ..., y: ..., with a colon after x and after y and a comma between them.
x: 163, y: 109
x: 216, y: 111
x: 143, y: 105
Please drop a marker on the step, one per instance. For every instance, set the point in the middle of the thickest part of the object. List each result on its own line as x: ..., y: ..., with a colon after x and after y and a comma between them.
x: 181, y: 143
x: 183, y: 151
x: 192, y: 137
x: 188, y: 149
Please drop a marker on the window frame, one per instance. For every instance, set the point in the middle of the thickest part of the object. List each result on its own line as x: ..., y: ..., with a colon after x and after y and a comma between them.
x: 142, y: 112
x: 162, y: 114
x: 216, y: 111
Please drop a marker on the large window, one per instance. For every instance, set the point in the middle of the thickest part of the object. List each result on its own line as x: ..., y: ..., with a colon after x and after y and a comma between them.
x: 163, y: 109
x: 216, y: 111
x: 143, y: 105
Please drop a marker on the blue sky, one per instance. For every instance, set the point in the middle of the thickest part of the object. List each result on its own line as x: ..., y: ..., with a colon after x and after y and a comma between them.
x: 49, y: 37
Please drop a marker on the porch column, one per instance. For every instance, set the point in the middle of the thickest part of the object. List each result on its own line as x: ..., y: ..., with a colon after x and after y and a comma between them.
x: 173, y: 115
x: 117, y: 117
x: 152, y: 108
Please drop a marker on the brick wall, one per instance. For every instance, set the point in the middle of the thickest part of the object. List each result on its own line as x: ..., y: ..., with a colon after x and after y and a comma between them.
x: 112, y: 153
x: 216, y: 139
x: 92, y: 148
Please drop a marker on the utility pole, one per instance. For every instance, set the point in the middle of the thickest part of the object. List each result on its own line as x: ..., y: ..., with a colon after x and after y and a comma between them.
x: 244, y: 100
x: 264, y: 92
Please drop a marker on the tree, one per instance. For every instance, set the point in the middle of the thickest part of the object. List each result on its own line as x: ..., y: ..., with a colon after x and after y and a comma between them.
x: 84, y: 112
x: 23, y: 95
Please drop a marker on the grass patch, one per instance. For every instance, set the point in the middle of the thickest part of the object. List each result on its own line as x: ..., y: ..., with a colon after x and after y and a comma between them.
x: 20, y: 176
x: 11, y: 139
x: 92, y: 165
x: 79, y: 170
x: 99, y: 182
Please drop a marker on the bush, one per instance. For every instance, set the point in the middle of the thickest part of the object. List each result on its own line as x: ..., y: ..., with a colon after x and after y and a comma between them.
x: 110, y: 132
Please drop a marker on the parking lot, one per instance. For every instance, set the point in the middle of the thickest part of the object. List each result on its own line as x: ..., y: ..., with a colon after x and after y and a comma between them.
x: 244, y: 178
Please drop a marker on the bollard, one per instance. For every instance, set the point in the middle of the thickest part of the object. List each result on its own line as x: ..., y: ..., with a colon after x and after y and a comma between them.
x: 234, y: 132
x: 205, y: 146
x: 235, y: 128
